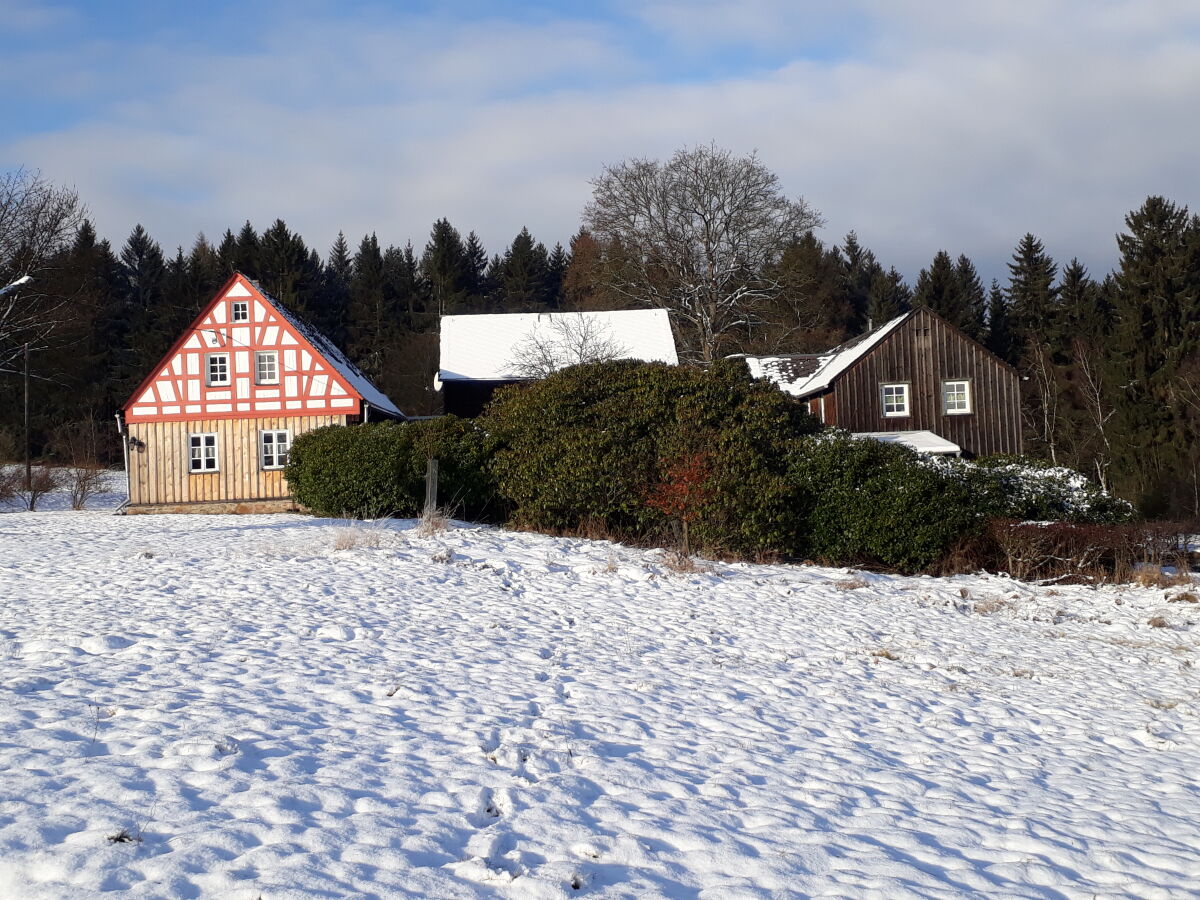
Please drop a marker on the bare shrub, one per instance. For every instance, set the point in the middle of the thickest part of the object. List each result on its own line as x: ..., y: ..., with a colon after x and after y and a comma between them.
x: 10, y: 481
x: 85, y: 482
x: 43, y: 480
x: 1184, y: 597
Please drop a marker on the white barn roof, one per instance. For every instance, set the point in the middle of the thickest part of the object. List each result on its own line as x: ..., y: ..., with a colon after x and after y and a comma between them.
x: 484, y: 347
x: 921, y: 441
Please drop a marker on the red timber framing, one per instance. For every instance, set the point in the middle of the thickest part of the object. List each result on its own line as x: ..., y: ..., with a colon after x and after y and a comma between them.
x: 242, y: 326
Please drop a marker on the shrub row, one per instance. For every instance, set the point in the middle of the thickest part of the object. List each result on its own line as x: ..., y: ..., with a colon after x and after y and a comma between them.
x: 634, y: 451
x: 379, y: 469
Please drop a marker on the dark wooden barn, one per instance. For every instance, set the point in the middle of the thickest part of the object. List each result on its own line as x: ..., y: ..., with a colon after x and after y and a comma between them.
x: 915, y: 374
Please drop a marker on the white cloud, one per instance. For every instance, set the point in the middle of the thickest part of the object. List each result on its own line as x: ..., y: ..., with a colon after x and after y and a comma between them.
x: 957, y: 127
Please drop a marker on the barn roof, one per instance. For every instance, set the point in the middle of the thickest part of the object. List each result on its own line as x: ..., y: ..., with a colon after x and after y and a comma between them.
x: 803, y: 374
x: 485, y: 347
x: 335, y: 357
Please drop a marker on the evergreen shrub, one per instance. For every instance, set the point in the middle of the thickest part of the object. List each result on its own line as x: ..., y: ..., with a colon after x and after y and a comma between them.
x: 378, y: 469
x: 866, y: 501
x: 585, y: 448
x: 1027, y: 489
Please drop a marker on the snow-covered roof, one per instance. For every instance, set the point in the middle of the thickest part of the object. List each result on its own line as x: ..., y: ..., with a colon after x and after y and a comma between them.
x: 353, y: 375
x: 802, y: 374
x: 484, y: 347
x: 921, y: 441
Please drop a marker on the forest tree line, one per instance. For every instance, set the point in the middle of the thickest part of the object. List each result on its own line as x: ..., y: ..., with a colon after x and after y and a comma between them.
x: 1110, y: 365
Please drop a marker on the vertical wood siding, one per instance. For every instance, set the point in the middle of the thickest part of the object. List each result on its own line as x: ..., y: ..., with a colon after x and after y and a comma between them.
x: 924, y: 352
x: 159, y: 472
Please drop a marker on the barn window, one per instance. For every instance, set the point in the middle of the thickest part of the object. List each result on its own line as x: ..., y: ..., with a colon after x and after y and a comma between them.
x: 956, y: 397
x: 273, y: 448
x: 218, y: 369
x: 895, y: 400
x: 202, y: 453
x: 240, y: 311
x: 266, y: 367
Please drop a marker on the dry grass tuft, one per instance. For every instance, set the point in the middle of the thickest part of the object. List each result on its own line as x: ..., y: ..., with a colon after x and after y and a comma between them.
x: 884, y: 653
x: 1157, y: 578
x: 1158, y: 622
x: 681, y: 564
x: 989, y: 605
x: 850, y: 584
x: 1162, y: 704
x: 1184, y: 597
x: 357, y: 537
x: 433, y: 522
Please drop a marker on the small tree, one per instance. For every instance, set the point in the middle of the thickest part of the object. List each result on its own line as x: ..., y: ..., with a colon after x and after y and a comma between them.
x: 571, y: 339
x: 682, y: 492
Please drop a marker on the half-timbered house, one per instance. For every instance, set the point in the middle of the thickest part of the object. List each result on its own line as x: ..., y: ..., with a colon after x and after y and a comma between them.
x: 210, y: 427
x: 916, y: 380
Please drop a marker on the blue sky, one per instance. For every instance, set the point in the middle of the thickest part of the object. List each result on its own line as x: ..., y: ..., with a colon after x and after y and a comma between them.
x: 922, y: 124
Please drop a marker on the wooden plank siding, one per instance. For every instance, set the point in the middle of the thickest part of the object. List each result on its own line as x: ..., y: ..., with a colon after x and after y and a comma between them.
x: 924, y: 352
x: 159, y: 469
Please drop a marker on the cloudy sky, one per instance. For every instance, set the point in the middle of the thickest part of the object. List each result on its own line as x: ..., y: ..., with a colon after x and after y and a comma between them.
x: 921, y: 124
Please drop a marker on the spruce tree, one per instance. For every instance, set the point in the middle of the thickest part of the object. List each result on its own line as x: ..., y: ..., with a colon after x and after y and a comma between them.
x: 245, y: 253
x: 525, y: 275
x: 973, y: 299
x: 939, y: 288
x: 1032, y: 297
x: 1155, y: 336
x: 999, y: 328
x: 370, y: 320
x: 447, y: 269
x: 889, y: 297
x: 287, y: 271
x: 329, y: 312
x: 557, y: 266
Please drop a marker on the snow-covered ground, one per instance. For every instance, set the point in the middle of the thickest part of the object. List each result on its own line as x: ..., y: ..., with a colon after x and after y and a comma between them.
x: 276, y: 706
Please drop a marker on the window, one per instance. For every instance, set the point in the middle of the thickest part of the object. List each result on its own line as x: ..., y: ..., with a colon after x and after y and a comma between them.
x: 266, y: 367
x: 273, y: 448
x: 218, y: 369
x: 895, y: 400
x: 240, y: 311
x: 956, y: 397
x: 202, y: 453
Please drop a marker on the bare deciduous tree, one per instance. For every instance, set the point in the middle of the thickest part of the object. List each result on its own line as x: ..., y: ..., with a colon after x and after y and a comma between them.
x: 568, y: 339
x: 697, y: 235
x: 37, y: 220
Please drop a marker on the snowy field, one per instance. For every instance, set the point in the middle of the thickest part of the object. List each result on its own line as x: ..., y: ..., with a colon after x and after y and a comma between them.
x: 277, y: 706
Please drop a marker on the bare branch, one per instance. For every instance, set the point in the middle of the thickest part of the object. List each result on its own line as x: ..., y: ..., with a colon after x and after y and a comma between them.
x: 568, y: 339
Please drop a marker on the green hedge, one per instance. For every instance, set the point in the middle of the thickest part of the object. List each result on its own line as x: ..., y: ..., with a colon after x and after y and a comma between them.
x: 581, y: 449
x: 865, y: 501
x: 1027, y: 489
x: 378, y: 469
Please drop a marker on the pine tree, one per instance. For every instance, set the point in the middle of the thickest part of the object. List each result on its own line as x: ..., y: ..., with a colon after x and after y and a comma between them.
x: 557, y: 267
x: 1032, y: 297
x: 246, y: 250
x: 939, y: 288
x: 447, y: 269
x: 999, y: 328
x: 525, y: 275
x: 889, y: 297
x: 973, y: 299
x: 370, y: 320
x: 1156, y: 336
x: 287, y: 271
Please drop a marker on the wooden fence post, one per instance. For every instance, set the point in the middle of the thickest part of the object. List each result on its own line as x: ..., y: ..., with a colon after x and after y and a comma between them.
x: 431, y: 484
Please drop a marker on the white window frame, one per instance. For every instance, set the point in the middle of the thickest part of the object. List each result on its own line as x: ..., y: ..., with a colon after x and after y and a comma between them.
x: 237, y: 306
x: 905, y: 392
x: 968, y: 406
x: 259, y: 357
x: 209, y: 359
x: 203, y: 441
x: 272, y: 436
